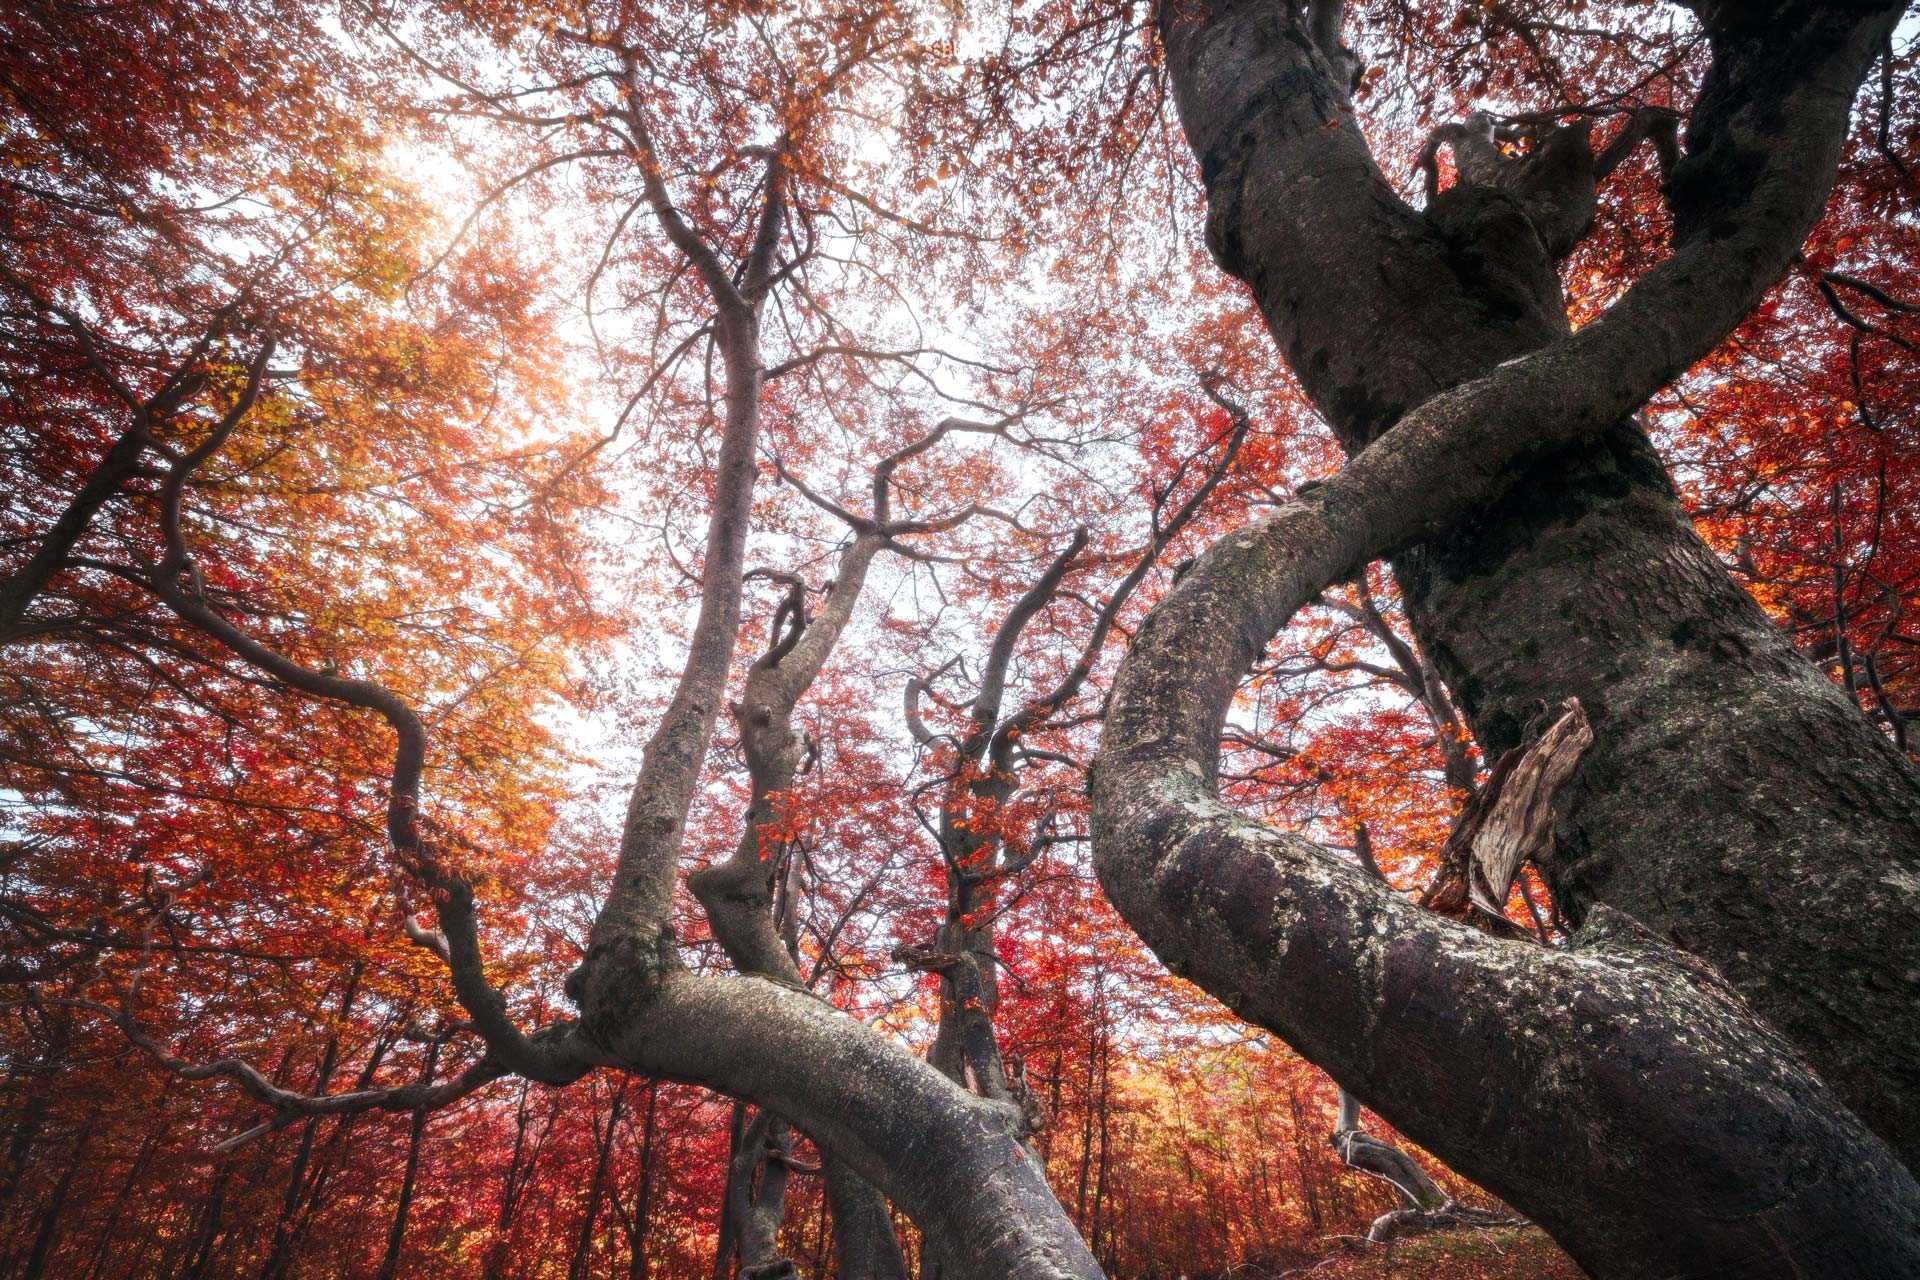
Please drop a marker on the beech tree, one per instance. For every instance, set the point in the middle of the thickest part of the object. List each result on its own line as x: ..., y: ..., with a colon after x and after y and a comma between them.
x: 299, y: 587
x: 1567, y: 508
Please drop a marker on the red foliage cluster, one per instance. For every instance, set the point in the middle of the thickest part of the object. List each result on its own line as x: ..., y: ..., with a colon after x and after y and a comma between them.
x: 474, y: 429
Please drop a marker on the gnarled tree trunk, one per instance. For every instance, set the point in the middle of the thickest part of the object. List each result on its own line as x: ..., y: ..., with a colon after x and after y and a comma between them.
x: 1785, y: 846
x: 1640, y: 1110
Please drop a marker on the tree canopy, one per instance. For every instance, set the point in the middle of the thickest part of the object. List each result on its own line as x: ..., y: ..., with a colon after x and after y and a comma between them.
x: 1047, y: 639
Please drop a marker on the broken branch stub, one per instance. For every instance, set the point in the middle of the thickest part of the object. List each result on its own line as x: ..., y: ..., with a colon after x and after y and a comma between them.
x: 1518, y: 822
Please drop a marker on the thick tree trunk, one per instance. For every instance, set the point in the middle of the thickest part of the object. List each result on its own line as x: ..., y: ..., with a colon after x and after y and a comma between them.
x: 865, y: 1243
x: 1785, y: 844
x: 954, y: 1163
x: 1623, y: 1097
x: 758, y: 1190
x: 1629, y: 1101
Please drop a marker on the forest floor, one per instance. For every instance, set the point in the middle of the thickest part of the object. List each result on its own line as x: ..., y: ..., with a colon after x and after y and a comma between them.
x: 1512, y: 1253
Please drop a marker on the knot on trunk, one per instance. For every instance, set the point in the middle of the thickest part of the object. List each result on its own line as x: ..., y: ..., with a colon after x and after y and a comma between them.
x: 618, y: 975
x: 1547, y: 170
x: 1548, y: 173
x: 928, y: 957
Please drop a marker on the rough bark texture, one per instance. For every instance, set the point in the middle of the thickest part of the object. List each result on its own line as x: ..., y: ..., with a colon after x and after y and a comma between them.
x: 1653, y: 1124
x: 1585, y: 579
x: 1659, y: 1126
x: 954, y: 1163
x: 866, y: 1247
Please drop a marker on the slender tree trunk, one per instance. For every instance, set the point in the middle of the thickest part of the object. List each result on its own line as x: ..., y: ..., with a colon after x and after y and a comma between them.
x: 1086, y: 1114
x: 26, y: 1132
x: 496, y: 1263
x: 284, y: 1227
x: 207, y: 1236
x: 49, y: 1230
x: 727, y: 1238
x: 1100, y: 1170
x: 403, y: 1206
x: 136, y: 1261
x: 110, y: 1232
x: 213, y: 1235
x: 597, y: 1188
x: 337, y: 1152
x: 643, y: 1194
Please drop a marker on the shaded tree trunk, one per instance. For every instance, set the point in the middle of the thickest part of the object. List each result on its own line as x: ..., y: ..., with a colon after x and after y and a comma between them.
x: 518, y: 1173
x: 207, y: 1234
x: 48, y: 1231
x: 109, y: 1235
x: 286, y: 1225
x: 1668, y: 1129
x: 597, y: 1188
x: 403, y: 1204
x: 1584, y: 578
x: 642, y: 1219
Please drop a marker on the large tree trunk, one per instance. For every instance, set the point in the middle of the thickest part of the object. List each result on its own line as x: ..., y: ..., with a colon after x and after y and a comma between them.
x: 953, y: 1162
x: 1625, y: 1097
x: 1785, y: 844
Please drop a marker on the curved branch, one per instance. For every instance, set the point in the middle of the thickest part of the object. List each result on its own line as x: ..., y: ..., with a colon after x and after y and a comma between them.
x: 1688, y: 1111
x: 458, y: 937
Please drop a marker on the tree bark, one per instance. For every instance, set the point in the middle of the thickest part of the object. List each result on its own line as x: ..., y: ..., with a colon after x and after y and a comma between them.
x: 596, y: 1189
x: 954, y: 1163
x: 738, y: 895
x: 643, y: 1194
x: 1666, y: 1129
x: 1785, y: 843
x: 48, y: 1231
x: 285, y: 1227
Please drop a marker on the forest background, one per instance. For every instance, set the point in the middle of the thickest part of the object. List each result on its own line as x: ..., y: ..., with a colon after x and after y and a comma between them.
x: 462, y: 391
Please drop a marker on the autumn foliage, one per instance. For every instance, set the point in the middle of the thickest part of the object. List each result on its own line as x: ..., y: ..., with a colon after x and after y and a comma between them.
x: 464, y: 408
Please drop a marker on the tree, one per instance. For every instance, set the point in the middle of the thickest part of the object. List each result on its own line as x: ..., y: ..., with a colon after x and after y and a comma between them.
x: 1264, y: 921
x: 304, y: 585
